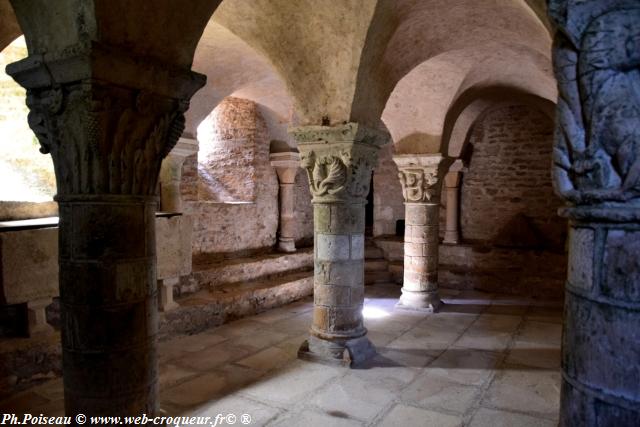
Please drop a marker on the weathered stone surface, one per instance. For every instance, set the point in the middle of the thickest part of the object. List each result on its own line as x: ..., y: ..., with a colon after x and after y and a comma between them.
x: 29, y: 265
x: 236, y: 182
x: 210, y: 274
x: 171, y: 174
x: 173, y: 243
x: 286, y: 164
x: 508, y: 175
x: 420, y: 176
x: 223, y: 303
x: 595, y: 160
x: 338, y: 161
x: 493, y: 269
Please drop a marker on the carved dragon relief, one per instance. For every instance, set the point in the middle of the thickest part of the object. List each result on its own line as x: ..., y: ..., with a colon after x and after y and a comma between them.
x: 103, y: 141
x: 419, y: 184
x: 338, y: 173
x: 596, y: 155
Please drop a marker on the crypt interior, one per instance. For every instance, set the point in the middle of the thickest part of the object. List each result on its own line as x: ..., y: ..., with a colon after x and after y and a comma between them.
x: 321, y: 212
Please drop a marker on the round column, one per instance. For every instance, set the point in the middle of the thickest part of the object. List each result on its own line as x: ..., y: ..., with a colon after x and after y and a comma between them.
x: 339, y: 161
x: 287, y: 227
x: 595, y: 169
x: 287, y: 164
x: 421, y: 189
x: 107, y: 141
x: 420, y: 279
x: 452, y: 191
x: 108, y: 304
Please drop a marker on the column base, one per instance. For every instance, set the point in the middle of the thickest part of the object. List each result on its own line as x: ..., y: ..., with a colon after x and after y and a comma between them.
x: 347, y: 353
x: 427, y: 302
x: 451, y: 237
x: 286, y: 245
x: 165, y: 294
x: 37, y: 316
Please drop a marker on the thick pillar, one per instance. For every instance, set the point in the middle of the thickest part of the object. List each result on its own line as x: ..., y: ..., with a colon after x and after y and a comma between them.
x: 107, y: 120
x: 171, y: 175
x: 452, y: 191
x: 596, y: 169
x: 420, y: 179
x: 339, y: 161
x: 286, y: 164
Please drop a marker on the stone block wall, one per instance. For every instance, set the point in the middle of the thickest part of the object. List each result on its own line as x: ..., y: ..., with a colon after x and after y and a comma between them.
x: 189, y: 182
x: 251, y: 222
x: 229, y: 154
x: 304, y: 211
x: 388, y: 203
x: 248, y: 221
x: 507, y: 193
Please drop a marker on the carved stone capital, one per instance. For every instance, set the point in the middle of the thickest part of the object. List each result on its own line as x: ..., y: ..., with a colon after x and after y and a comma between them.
x: 286, y: 165
x: 596, y: 155
x: 339, y: 160
x: 105, y: 137
x: 419, y: 176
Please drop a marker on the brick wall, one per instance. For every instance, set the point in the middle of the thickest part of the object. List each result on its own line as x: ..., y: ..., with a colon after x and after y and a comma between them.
x: 507, y: 196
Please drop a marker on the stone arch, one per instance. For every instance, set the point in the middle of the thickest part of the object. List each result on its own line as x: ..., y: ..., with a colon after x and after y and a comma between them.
x: 9, y: 27
x: 416, y: 110
x: 475, y: 103
x: 234, y: 68
x: 417, y: 32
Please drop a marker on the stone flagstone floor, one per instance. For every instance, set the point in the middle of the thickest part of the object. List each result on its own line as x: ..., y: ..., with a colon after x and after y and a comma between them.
x: 485, y: 360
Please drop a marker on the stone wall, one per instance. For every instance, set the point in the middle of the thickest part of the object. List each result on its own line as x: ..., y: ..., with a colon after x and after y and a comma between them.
x: 304, y: 211
x: 189, y: 183
x: 241, y: 226
x: 507, y: 196
x: 388, y: 203
x: 227, y: 159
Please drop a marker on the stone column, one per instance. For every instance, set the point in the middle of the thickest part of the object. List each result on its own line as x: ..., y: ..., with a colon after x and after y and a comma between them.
x: 338, y: 161
x: 171, y: 175
x: 419, y: 177
x: 452, y: 190
x: 596, y: 170
x: 286, y: 164
x: 108, y: 121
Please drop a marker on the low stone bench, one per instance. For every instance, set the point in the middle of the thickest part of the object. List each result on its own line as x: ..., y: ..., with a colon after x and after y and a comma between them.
x: 29, y: 263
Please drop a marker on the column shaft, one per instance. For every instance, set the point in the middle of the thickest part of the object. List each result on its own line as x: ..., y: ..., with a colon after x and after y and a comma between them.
x: 452, y: 190
x: 338, y: 161
x: 419, y: 177
x: 107, y: 141
x: 601, y: 337
x: 108, y: 304
x: 339, y: 278
x: 595, y: 169
x: 287, y: 164
x: 420, y: 284
x: 287, y: 226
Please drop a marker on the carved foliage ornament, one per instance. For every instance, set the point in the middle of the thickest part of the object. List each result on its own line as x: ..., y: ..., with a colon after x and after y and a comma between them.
x: 103, y: 139
x: 339, y: 173
x: 419, y: 184
x: 597, y: 64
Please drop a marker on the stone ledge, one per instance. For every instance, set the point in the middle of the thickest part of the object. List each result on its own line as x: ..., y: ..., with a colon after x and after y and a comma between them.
x: 211, y: 274
x: 209, y: 308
